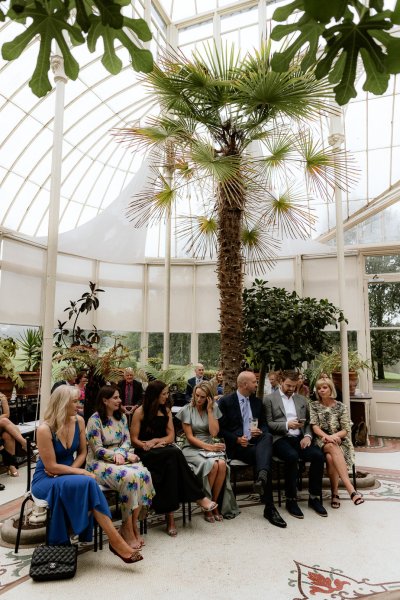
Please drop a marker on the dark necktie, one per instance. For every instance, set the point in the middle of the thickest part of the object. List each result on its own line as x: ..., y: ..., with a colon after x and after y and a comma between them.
x: 128, y: 394
x: 246, y: 418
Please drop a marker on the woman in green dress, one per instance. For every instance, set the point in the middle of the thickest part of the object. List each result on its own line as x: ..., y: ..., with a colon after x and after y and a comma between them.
x: 330, y: 423
x: 206, y: 455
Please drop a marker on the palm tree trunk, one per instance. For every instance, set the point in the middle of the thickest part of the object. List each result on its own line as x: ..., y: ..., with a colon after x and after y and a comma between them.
x: 230, y: 285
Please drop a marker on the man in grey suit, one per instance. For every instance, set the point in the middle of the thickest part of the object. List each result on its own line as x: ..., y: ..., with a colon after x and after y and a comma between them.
x: 288, y: 417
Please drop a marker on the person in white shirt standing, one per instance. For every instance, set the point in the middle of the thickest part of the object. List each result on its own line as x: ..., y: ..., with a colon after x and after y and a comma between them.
x: 288, y: 420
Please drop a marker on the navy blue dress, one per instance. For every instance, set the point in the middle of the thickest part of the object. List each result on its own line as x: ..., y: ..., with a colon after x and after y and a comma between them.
x: 71, y: 497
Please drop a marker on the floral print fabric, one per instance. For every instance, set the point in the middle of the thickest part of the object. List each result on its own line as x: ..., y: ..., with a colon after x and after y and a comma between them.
x: 332, y: 419
x: 131, y: 480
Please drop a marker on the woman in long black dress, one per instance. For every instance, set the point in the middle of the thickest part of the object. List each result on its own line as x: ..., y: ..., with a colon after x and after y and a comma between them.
x: 152, y: 434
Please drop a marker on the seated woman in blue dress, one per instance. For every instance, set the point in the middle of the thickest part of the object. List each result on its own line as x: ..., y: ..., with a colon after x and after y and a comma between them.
x: 72, y: 493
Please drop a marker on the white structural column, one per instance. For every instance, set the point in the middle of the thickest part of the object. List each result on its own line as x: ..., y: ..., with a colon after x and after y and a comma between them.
x: 57, y: 66
x: 167, y: 284
x: 262, y: 21
x: 336, y: 140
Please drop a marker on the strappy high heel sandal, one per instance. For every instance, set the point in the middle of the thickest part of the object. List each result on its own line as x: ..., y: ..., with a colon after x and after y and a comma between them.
x: 209, y: 517
x: 11, y: 473
x: 217, y: 515
x: 209, y: 508
x: 357, y: 501
x: 335, y: 501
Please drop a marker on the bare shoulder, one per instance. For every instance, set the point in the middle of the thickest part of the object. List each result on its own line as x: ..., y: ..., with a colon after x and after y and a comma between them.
x: 44, y: 430
x: 81, y: 422
x: 138, y: 414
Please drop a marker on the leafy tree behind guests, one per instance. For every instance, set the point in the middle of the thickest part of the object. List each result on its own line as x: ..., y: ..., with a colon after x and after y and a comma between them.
x: 282, y: 330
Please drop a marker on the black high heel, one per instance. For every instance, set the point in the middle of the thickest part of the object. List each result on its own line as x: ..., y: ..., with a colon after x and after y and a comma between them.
x: 135, y: 556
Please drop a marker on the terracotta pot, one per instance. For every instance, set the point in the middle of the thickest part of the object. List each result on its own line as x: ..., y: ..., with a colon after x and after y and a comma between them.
x: 31, y: 381
x: 353, y: 380
x: 6, y: 387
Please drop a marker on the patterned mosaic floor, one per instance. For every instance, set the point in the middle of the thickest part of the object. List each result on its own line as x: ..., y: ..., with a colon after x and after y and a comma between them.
x: 305, y: 581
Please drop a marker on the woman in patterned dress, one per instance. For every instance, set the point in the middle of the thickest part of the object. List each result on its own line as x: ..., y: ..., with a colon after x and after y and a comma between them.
x: 115, y: 464
x: 330, y: 423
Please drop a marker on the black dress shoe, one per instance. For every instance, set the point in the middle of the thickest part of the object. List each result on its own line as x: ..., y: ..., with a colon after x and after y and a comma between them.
x: 316, y: 505
x: 293, y: 509
x: 2, y: 487
x: 274, y: 517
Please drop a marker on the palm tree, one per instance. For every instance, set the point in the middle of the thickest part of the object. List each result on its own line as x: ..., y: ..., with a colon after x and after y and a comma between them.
x: 227, y: 128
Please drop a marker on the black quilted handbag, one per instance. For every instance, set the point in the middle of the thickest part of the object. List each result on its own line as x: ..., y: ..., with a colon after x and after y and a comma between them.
x: 53, y: 562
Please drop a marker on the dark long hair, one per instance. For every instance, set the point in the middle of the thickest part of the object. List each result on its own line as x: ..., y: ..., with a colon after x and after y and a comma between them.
x: 151, y: 404
x: 105, y: 393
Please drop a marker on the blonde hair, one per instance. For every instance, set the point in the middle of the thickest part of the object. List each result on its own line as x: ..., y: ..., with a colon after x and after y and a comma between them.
x: 329, y: 383
x: 69, y: 373
x: 56, y: 414
x: 205, y: 387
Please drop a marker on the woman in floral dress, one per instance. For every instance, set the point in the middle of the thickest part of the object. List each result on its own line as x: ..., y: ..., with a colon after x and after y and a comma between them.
x: 115, y: 464
x: 331, y: 425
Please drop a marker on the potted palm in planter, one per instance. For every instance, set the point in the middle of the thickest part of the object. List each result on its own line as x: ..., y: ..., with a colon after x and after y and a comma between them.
x: 30, y: 354
x: 331, y: 364
x: 9, y: 376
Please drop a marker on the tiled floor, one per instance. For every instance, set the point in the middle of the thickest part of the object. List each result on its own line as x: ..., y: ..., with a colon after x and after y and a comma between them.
x: 353, y: 553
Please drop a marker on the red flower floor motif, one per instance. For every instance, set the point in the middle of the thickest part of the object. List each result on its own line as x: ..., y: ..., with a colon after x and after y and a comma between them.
x: 315, y: 583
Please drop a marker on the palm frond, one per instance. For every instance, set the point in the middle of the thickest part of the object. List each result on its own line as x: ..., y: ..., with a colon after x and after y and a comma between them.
x: 158, y: 132
x: 288, y: 216
x: 200, y: 233
x: 223, y: 64
x: 280, y: 150
x: 325, y: 168
x: 295, y: 93
x: 258, y: 248
x: 221, y: 168
x: 153, y: 204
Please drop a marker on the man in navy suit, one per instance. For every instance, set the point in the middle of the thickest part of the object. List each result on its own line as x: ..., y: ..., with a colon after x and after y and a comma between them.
x: 288, y: 419
x: 193, y: 381
x: 247, y: 440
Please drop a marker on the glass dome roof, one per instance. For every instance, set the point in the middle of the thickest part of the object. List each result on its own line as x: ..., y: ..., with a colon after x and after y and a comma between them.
x: 96, y: 169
